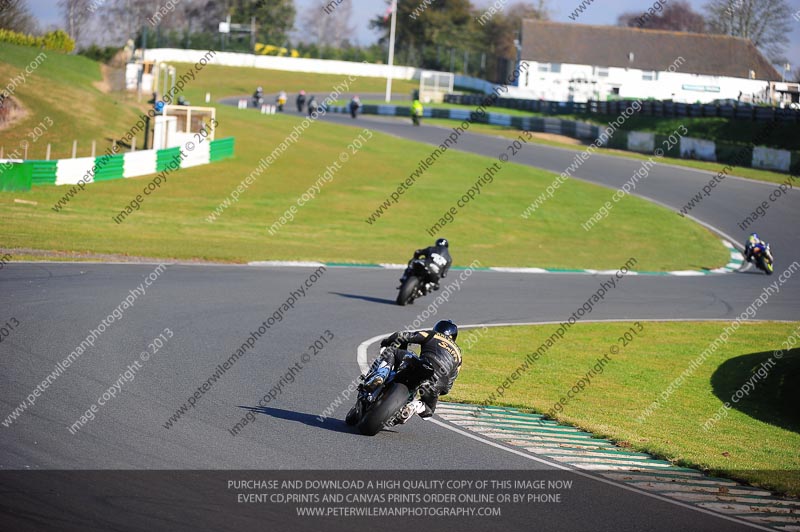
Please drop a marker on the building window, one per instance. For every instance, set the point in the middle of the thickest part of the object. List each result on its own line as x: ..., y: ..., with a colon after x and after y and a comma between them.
x: 649, y: 75
x: 601, y: 72
x: 549, y: 67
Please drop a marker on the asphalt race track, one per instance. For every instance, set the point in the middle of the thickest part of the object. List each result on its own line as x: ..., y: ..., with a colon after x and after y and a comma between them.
x: 211, y: 310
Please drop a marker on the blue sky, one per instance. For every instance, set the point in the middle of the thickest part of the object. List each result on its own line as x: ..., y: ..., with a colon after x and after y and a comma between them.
x: 600, y: 12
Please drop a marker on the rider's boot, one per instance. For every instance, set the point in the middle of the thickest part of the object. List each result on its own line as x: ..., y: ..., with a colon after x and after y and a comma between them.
x: 414, y: 407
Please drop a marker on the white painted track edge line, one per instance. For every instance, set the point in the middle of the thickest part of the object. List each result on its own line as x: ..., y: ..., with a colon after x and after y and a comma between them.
x: 589, y: 476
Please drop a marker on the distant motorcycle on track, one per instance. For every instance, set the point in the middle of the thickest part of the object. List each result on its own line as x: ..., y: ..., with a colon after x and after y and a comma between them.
x: 762, y: 257
x: 258, y: 101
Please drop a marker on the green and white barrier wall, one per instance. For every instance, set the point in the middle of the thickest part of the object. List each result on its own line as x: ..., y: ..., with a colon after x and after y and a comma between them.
x: 709, y: 150
x: 18, y: 175
x: 637, y: 141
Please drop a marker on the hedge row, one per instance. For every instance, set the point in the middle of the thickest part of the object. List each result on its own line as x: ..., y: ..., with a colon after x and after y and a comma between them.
x: 57, y: 40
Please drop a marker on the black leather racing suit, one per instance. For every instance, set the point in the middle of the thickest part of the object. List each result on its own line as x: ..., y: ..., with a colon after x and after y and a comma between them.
x: 438, y: 255
x: 442, y: 353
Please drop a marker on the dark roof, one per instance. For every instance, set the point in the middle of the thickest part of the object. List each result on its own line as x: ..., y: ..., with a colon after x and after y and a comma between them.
x: 610, y: 46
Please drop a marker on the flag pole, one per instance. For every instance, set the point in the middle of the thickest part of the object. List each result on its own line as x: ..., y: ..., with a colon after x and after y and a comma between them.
x: 391, y: 52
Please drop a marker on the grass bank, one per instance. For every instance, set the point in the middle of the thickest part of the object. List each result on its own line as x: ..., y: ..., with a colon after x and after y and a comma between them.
x: 174, y: 221
x: 755, y: 441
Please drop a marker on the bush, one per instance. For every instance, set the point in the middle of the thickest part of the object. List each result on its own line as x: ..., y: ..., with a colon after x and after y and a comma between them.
x: 20, y: 39
x: 57, y: 40
x: 100, y: 54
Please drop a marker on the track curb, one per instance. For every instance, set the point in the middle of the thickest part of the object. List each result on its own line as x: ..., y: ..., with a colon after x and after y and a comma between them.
x: 735, y: 262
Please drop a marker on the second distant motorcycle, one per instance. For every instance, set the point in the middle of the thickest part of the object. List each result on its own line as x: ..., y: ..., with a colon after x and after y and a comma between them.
x: 258, y: 98
x: 758, y: 252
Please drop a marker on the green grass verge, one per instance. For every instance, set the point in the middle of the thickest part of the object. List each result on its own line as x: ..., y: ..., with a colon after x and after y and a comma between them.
x: 172, y: 221
x: 510, y: 132
x: 757, y: 441
x: 62, y: 89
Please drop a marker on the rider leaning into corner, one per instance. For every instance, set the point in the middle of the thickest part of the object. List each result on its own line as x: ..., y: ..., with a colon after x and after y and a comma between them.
x: 438, y: 347
x: 752, y: 241
x: 437, y: 260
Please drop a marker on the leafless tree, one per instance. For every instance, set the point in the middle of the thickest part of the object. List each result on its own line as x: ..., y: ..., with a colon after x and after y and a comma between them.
x: 325, y: 25
x: 77, y: 16
x: 15, y: 16
x: 500, y: 34
x: 765, y: 22
x: 205, y: 15
x: 126, y: 18
x: 504, y: 28
x: 676, y: 16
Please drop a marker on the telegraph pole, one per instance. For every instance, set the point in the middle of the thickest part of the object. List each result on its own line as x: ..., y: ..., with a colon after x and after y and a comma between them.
x: 391, y: 52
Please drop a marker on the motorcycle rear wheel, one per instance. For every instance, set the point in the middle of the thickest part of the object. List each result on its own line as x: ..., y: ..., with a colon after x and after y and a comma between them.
x: 388, y: 405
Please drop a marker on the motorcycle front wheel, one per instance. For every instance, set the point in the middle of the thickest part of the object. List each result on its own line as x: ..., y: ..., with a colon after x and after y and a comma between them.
x: 393, y: 400
x: 765, y: 265
x: 407, y: 291
x: 354, y: 414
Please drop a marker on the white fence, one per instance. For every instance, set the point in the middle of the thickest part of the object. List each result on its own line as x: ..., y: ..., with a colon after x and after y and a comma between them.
x: 299, y: 64
x: 289, y: 64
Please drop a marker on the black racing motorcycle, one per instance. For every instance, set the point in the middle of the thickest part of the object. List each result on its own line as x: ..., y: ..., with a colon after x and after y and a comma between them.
x: 385, y: 397
x: 419, y: 281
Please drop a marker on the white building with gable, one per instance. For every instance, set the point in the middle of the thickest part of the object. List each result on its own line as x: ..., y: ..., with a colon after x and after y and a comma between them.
x: 574, y: 62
